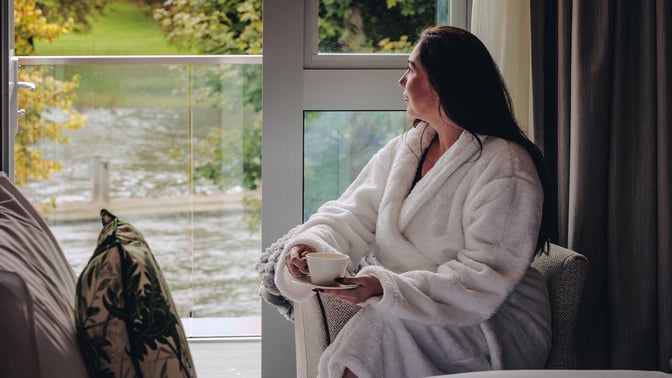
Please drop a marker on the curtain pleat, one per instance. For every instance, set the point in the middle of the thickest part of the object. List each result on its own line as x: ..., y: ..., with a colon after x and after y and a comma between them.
x: 663, y: 22
x: 601, y: 106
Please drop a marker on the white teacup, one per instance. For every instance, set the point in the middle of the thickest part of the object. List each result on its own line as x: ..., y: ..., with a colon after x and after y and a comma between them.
x: 325, y: 267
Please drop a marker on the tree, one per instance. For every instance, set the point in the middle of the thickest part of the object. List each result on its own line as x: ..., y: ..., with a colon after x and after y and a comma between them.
x: 235, y: 27
x: 372, y: 25
x: 80, y: 12
x: 49, y: 111
x: 213, y: 27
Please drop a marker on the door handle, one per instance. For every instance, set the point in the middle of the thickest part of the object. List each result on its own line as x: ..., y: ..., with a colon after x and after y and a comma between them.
x: 26, y: 85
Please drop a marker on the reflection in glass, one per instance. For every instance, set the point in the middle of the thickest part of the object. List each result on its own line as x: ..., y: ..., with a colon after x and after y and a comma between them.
x: 177, y: 150
x: 337, y: 145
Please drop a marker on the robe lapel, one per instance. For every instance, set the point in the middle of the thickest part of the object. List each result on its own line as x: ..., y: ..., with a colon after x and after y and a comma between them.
x: 465, y: 149
x: 398, y: 207
x: 399, y: 252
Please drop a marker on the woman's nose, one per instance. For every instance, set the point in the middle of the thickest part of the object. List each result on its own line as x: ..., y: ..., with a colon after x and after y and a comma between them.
x: 402, y: 80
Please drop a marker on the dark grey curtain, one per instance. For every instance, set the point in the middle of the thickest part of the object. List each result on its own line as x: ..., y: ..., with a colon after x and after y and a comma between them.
x: 602, y: 87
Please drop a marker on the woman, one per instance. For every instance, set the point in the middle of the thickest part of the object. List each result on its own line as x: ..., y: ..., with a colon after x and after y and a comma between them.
x: 452, y: 213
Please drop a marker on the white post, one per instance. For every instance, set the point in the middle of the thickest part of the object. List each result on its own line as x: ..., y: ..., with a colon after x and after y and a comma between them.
x: 101, y: 180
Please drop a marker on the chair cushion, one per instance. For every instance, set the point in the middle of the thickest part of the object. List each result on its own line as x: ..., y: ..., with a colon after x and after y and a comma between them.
x: 127, y: 322
x: 30, y: 250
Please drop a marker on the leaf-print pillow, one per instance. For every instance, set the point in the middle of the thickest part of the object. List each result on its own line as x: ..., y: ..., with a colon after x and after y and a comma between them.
x: 127, y: 324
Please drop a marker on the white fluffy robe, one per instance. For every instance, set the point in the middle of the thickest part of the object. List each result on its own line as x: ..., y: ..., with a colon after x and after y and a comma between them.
x: 454, y: 255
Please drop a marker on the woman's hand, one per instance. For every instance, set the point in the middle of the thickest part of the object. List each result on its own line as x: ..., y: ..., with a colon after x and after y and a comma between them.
x: 295, y: 260
x: 367, y: 286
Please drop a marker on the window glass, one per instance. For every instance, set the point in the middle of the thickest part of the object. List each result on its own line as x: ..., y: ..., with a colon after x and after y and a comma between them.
x: 172, y: 148
x: 337, y: 145
x: 151, y: 110
x: 373, y: 26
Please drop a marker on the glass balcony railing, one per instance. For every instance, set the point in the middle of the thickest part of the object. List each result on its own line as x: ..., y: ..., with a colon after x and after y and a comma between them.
x: 171, y: 144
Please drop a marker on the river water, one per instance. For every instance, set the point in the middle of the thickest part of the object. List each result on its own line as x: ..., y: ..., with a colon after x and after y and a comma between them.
x: 207, y: 257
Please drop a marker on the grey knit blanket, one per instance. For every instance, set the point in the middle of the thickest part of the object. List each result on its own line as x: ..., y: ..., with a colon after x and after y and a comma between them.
x: 265, y: 267
x: 267, y: 264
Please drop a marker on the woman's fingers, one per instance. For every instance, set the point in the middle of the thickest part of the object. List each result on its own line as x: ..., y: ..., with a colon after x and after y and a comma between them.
x: 296, y: 262
x: 367, y: 287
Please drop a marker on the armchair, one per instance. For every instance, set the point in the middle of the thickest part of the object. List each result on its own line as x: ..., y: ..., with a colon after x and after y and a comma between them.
x: 318, y: 321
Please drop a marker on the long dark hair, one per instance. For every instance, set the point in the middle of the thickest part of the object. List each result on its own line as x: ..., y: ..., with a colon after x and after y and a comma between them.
x: 473, y: 95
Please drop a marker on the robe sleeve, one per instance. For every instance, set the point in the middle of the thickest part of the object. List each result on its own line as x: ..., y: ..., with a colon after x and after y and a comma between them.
x: 346, y: 225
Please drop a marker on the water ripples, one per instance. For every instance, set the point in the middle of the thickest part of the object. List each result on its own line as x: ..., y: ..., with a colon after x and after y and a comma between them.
x: 208, y: 258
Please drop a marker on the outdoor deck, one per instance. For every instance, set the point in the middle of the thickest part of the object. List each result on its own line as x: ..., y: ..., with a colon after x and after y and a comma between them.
x: 238, y: 354
x: 234, y: 357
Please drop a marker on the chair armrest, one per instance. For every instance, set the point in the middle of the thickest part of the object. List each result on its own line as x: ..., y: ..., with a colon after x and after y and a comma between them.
x: 317, y: 322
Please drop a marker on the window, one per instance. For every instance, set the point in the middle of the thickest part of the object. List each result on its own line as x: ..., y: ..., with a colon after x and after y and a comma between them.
x: 337, y: 144
x: 162, y: 151
x: 158, y: 134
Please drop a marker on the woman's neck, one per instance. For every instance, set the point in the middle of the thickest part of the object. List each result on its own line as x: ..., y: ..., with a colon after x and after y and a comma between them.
x: 446, y: 135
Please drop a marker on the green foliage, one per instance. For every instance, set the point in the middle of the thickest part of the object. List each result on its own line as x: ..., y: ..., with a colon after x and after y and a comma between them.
x: 372, y: 25
x: 49, y: 109
x: 213, y: 27
x: 49, y: 116
x: 82, y: 12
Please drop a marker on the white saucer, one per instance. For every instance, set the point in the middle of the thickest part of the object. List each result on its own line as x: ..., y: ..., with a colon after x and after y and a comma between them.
x: 336, y: 286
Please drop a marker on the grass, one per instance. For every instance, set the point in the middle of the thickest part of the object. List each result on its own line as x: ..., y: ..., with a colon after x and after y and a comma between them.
x: 124, y: 29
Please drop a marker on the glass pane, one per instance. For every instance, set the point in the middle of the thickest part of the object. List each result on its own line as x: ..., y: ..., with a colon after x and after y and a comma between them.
x: 374, y: 26
x: 337, y: 145
x: 172, y: 148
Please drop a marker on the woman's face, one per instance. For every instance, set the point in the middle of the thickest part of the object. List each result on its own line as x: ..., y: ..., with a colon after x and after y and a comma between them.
x: 422, y: 101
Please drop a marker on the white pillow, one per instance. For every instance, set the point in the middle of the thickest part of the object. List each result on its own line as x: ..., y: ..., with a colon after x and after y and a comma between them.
x: 28, y: 248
